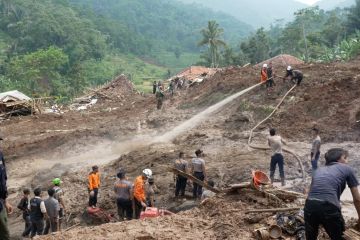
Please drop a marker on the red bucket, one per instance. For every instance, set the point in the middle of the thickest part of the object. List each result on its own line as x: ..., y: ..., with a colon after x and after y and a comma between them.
x: 259, y: 178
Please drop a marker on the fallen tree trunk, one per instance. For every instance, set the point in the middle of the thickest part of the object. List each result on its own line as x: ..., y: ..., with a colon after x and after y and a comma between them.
x: 194, y: 179
x: 272, y: 210
x: 351, y: 234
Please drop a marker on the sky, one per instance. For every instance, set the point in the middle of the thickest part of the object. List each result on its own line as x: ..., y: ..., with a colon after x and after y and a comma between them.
x: 310, y: 2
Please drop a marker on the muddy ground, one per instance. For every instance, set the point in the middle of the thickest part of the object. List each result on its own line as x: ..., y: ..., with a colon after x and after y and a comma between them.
x: 119, y: 132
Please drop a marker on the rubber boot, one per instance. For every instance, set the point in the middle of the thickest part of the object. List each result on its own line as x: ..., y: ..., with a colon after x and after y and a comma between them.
x: 272, y: 180
x: 283, y: 183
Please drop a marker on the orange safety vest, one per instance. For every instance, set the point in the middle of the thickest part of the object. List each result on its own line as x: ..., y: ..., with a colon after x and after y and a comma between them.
x: 139, y: 189
x: 263, y: 75
x: 94, y: 180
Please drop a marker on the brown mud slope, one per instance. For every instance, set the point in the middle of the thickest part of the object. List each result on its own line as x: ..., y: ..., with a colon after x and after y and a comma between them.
x: 38, y: 148
x: 329, y: 97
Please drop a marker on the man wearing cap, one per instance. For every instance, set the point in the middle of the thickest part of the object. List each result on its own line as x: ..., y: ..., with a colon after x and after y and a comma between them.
x: 198, y: 171
x: 123, y: 190
x: 5, y: 207
x: 295, y: 75
x: 94, y: 184
x: 139, y: 192
x: 59, y: 196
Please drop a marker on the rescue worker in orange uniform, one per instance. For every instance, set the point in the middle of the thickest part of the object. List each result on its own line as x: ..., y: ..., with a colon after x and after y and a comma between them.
x: 94, y: 184
x: 264, y: 76
x: 139, y: 192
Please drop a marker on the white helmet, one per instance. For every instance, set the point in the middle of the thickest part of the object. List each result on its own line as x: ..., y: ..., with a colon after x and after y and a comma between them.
x: 147, y: 173
x: 264, y: 65
x: 289, y: 68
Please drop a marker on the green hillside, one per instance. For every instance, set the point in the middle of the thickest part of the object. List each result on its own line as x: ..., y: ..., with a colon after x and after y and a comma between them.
x: 60, y: 47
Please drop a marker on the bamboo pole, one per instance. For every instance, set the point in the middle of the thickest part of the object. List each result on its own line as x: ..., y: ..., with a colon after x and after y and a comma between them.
x: 194, y: 179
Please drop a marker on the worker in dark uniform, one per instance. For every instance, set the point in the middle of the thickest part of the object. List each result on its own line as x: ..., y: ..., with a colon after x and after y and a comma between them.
x: 154, y: 87
x: 296, y: 76
x: 270, y: 78
x: 123, y: 190
x: 37, y: 213
x: 5, y: 207
x: 198, y: 171
x: 182, y: 165
x: 322, y: 205
x: 159, y: 96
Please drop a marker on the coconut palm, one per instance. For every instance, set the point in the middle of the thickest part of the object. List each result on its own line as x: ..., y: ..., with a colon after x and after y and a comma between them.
x: 212, y: 36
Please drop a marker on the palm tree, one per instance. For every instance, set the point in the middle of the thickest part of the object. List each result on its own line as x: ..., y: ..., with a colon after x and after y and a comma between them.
x: 212, y: 37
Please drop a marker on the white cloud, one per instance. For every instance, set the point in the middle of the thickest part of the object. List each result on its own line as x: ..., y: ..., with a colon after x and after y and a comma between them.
x: 309, y: 2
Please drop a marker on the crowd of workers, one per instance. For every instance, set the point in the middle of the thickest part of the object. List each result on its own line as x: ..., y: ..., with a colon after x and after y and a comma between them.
x: 159, y: 90
x: 322, y: 206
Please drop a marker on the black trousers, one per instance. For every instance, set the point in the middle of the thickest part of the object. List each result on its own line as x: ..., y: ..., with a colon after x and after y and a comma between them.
x: 93, y: 199
x: 138, y: 209
x: 180, y: 186
x: 37, y: 227
x: 124, y: 208
x: 197, y: 190
x: 51, y: 224
x: 27, y: 229
x: 318, y: 213
x: 277, y: 159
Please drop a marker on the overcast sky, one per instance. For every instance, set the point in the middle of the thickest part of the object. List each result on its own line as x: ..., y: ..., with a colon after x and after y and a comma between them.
x: 308, y: 1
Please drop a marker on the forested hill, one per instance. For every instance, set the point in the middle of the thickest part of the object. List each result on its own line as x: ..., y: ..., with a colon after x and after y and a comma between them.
x: 258, y: 13
x: 59, y: 47
x: 161, y: 23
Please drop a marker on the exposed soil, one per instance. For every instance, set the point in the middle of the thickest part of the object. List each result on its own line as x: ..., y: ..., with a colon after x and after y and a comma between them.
x: 119, y: 130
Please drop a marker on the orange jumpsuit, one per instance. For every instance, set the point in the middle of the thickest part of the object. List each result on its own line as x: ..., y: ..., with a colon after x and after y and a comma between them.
x: 264, y: 75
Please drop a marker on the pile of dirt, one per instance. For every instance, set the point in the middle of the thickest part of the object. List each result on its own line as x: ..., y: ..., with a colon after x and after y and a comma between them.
x: 120, y: 85
x: 282, y: 60
x: 221, y: 217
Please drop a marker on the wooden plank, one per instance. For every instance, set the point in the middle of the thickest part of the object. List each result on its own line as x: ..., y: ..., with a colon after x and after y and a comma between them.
x: 194, y: 179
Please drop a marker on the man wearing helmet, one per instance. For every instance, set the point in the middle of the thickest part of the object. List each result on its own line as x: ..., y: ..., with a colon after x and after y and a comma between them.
x: 263, y: 73
x: 59, y: 195
x: 94, y: 184
x: 139, y: 192
x: 295, y: 75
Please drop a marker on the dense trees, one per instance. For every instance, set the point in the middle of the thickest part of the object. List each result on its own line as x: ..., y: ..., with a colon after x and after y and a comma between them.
x: 314, y: 35
x: 59, y: 47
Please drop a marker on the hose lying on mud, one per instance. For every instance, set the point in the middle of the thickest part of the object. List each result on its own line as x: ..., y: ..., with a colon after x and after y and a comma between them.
x: 267, y: 148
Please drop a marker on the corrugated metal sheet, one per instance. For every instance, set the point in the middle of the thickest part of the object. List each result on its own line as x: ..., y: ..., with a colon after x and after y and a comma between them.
x: 14, y: 95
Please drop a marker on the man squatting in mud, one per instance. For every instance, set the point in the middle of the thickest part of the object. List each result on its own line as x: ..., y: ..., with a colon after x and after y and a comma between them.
x: 322, y: 206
